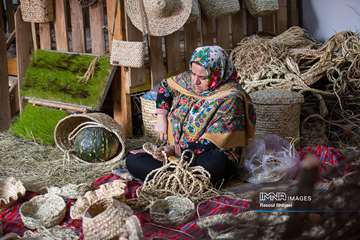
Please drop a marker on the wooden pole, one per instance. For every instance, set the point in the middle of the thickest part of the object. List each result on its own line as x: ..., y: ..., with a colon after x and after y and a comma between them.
x: 5, y: 114
x: 121, y: 96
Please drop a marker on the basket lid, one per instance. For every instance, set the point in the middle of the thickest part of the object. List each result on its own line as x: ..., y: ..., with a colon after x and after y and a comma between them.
x: 276, y: 96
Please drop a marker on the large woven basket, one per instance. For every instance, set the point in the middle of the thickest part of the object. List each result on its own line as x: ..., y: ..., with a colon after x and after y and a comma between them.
x: 105, y: 219
x: 172, y: 210
x: 10, y: 191
x: 69, y: 123
x: 277, y: 112
x: 217, y: 8
x: 262, y: 7
x: 148, y: 109
x: 43, y: 211
x: 38, y: 11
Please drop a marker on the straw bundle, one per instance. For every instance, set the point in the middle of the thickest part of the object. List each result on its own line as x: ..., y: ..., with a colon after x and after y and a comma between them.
x: 43, y: 211
x: 172, y: 210
x: 295, y: 37
x: 176, y: 178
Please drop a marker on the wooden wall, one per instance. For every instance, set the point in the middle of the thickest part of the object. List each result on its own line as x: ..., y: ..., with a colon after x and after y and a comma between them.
x: 90, y: 30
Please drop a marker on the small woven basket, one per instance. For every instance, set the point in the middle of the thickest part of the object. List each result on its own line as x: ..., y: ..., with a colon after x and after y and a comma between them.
x: 277, y: 112
x: 217, y: 8
x: 105, y: 219
x: 67, y: 125
x: 262, y: 7
x: 43, y: 211
x: 148, y: 109
x: 10, y: 191
x: 38, y: 11
x: 172, y: 210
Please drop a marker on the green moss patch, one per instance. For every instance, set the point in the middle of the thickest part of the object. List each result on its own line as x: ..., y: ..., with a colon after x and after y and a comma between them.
x: 37, y: 124
x: 56, y: 76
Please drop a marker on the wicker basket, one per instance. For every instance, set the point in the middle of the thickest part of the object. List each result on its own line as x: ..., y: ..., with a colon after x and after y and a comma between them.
x: 217, y: 8
x: 148, y: 109
x: 277, y: 112
x: 69, y: 123
x: 71, y: 191
x: 105, y: 219
x: 172, y: 210
x: 114, y: 189
x: 262, y: 7
x: 43, y: 211
x: 10, y: 191
x: 38, y: 11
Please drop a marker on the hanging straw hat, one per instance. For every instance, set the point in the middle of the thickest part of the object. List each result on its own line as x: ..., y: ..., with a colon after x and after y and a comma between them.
x: 163, y: 16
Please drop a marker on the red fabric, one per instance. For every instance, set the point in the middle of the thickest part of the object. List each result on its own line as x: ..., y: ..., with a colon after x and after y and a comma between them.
x: 333, y: 163
x: 12, y: 221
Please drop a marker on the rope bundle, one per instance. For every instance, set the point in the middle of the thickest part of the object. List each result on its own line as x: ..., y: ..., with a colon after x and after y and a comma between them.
x: 176, y: 179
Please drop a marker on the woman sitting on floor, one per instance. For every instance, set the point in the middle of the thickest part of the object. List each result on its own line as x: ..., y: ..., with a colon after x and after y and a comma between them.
x: 204, y: 110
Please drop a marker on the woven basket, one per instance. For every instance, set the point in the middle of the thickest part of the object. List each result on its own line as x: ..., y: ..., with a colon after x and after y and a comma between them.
x: 128, y: 53
x: 10, y: 191
x: 71, y: 191
x: 262, y: 7
x: 38, y: 11
x: 148, y: 109
x: 172, y: 210
x: 56, y: 232
x: 217, y: 8
x: 277, y: 112
x: 43, y: 211
x: 114, y: 189
x: 105, y: 219
x: 69, y: 123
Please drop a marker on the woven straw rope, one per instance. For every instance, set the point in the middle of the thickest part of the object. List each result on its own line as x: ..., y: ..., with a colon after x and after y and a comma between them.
x: 38, y: 11
x: 262, y: 7
x: 216, y: 8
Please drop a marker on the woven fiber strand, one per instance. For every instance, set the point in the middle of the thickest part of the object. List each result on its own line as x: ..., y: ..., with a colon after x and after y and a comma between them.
x: 217, y: 8
x: 105, y: 219
x: 148, y: 109
x: 38, y: 11
x: 262, y: 7
x: 128, y: 53
x: 10, y: 191
x: 277, y: 112
x: 43, y: 211
x: 172, y: 210
x: 69, y: 123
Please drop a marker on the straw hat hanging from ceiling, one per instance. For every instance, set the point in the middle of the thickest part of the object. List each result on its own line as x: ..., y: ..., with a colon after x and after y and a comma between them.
x: 163, y: 16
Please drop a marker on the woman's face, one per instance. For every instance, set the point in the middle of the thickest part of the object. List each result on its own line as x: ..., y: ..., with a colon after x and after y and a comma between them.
x: 199, y: 78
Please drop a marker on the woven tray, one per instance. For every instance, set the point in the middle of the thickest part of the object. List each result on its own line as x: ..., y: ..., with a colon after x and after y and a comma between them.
x: 69, y: 123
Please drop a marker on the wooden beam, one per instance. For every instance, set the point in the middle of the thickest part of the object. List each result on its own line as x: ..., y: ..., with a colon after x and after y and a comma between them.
x: 157, y: 67
x: 282, y: 17
x: 10, y: 39
x: 175, y: 64
x: 45, y: 36
x: 61, y: 34
x: 77, y: 26
x: 223, y: 32
x: 252, y: 24
x: 208, y: 27
x: 96, y: 12
x: 191, y: 40
x: 238, y: 26
x: 5, y: 116
x: 23, y: 49
x: 2, y: 23
x: 294, y: 13
x: 121, y: 97
x: 34, y: 36
x: 268, y: 23
x: 58, y: 105
x: 10, y: 15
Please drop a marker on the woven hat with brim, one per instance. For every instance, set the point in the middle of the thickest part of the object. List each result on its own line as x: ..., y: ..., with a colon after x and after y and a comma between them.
x: 163, y: 16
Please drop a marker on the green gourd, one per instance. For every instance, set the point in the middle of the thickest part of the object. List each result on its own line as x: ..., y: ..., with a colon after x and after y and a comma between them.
x: 95, y: 144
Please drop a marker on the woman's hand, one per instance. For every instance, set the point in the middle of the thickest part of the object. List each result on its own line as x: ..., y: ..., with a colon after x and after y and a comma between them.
x: 161, y: 152
x: 161, y: 127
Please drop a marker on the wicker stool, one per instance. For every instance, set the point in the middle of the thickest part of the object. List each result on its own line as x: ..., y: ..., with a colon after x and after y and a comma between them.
x: 277, y: 112
x: 148, y: 110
